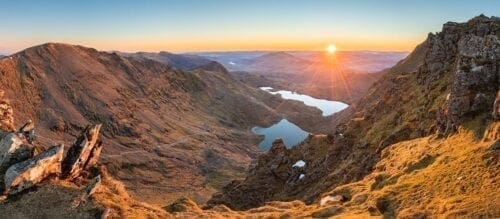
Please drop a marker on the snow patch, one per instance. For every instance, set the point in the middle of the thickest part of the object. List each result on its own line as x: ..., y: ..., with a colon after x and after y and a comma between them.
x: 477, y: 68
x: 299, y: 163
x: 302, y: 176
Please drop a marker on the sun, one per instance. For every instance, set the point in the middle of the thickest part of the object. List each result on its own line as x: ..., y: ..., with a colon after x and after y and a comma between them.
x: 331, y: 48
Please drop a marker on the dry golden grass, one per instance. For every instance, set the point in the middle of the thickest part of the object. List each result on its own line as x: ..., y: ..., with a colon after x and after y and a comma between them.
x: 454, y: 177
x: 451, y: 177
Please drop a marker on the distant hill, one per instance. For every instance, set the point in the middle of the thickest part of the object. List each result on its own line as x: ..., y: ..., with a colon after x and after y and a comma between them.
x: 179, y: 61
x: 344, y: 76
x: 352, y: 61
x: 276, y: 62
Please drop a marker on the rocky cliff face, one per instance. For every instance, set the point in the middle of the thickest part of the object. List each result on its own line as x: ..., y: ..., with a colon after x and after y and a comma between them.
x: 471, y: 52
x: 449, y: 81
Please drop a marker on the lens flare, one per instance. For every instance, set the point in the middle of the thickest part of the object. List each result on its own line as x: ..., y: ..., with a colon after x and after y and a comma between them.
x: 331, y: 48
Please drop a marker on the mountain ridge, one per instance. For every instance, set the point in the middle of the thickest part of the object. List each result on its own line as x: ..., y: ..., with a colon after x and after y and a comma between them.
x: 174, y: 119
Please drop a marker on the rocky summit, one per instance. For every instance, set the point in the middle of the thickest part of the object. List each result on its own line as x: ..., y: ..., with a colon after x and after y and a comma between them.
x: 93, y: 134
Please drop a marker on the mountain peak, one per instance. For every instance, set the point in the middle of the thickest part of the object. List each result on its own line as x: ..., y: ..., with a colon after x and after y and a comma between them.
x: 279, y: 54
x: 213, y: 66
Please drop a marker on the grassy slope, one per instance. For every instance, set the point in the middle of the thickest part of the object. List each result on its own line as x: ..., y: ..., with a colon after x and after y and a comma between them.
x: 453, y: 177
x: 457, y: 176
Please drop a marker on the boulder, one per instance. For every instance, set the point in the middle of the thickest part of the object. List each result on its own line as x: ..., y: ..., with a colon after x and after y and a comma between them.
x: 28, y: 173
x: 81, y: 152
x: 14, y: 148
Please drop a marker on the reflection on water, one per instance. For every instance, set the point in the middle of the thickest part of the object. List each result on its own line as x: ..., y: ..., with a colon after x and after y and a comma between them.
x: 328, y: 107
x: 289, y: 132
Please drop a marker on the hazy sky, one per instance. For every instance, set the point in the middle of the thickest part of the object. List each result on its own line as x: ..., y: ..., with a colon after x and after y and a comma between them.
x: 204, y: 25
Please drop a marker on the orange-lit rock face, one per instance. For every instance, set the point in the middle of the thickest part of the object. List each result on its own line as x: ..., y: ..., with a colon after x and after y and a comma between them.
x: 25, y: 174
x: 81, y: 152
x: 14, y: 148
x: 6, y: 114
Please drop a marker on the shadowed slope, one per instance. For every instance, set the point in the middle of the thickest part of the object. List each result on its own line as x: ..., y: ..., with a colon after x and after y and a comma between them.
x: 159, y: 123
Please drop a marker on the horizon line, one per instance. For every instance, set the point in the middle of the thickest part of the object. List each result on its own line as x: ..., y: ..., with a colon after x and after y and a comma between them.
x: 205, y: 51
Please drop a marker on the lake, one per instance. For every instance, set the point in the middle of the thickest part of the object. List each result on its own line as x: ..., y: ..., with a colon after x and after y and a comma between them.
x: 327, y: 107
x: 289, y: 132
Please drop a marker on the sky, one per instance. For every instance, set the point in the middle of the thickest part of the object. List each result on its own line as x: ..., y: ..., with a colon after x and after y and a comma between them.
x: 230, y: 25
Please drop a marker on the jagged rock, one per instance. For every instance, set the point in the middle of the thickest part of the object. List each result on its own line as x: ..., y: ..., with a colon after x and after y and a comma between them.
x: 275, y: 158
x: 492, y: 133
x: 472, y: 51
x: 28, y: 130
x: 94, y: 156
x: 496, y: 107
x: 81, y: 153
x: 27, y: 127
x: 28, y: 173
x: 278, y: 148
x: 6, y: 114
x: 90, y: 189
x: 14, y: 148
x: 93, y: 186
x: 479, y: 103
x: 268, y: 176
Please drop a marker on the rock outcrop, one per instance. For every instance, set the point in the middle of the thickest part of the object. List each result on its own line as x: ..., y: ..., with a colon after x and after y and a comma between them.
x: 14, y: 148
x: 22, y: 168
x: 264, y: 180
x: 94, y: 156
x: 471, y: 51
x: 6, y: 114
x: 84, y: 152
x: 28, y: 173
